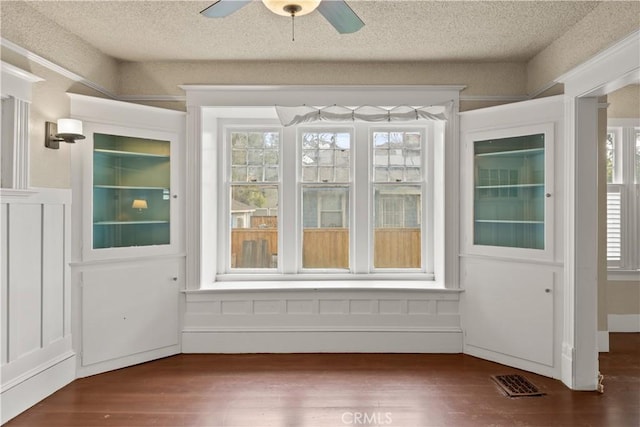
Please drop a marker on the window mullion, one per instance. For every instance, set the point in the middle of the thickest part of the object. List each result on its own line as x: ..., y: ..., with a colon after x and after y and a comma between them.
x: 361, y: 202
x: 289, y: 207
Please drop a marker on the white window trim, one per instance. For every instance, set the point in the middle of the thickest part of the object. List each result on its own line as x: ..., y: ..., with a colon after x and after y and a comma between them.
x: 361, y: 220
x: 624, y: 157
x: 208, y: 103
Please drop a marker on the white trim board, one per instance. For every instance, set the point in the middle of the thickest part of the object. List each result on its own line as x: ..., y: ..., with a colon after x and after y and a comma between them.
x: 624, y: 322
x: 603, y: 341
x: 37, y: 387
x: 447, y: 340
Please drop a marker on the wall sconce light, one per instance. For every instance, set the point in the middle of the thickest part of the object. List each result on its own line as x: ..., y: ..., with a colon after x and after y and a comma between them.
x: 139, y: 204
x: 67, y: 130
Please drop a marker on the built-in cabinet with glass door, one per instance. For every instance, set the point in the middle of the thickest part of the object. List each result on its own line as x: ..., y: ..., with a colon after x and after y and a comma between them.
x: 131, y: 191
x: 511, y: 189
x: 127, y: 233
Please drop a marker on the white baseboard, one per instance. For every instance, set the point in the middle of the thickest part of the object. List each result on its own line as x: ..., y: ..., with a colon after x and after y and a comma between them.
x: 624, y: 322
x: 566, y: 365
x: 603, y: 341
x: 27, y: 393
x: 203, y: 341
x: 123, y: 362
x: 515, y: 362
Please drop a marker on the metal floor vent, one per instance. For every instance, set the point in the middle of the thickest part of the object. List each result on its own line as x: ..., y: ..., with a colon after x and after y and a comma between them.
x: 516, y: 385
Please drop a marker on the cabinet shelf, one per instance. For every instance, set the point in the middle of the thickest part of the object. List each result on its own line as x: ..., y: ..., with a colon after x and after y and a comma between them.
x: 508, y: 190
x: 129, y: 187
x: 129, y: 153
x: 505, y: 221
x: 129, y: 222
x: 512, y: 152
x: 509, y: 186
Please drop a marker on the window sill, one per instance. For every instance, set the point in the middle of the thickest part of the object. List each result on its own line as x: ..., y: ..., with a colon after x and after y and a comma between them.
x: 337, y: 284
x: 623, y: 275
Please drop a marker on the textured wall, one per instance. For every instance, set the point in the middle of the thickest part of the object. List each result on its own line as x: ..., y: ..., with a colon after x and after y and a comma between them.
x: 624, y: 103
x: 623, y: 298
x: 23, y: 25
x: 154, y: 78
x: 606, y: 24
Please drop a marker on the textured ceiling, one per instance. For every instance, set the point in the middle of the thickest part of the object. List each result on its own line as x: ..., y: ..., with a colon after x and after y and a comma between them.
x: 395, y: 30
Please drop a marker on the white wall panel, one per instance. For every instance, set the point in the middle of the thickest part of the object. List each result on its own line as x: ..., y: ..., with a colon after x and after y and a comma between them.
x: 25, y: 279
x: 507, y: 302
x: 4, y: 284
x: 128, y: 310
x: 37, y: 358
x: 322, y: 320
x: 53, y: 278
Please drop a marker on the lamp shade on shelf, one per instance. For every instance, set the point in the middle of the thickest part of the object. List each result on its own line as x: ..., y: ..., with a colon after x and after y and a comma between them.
x: 139, y: 204
x: 282, y: 7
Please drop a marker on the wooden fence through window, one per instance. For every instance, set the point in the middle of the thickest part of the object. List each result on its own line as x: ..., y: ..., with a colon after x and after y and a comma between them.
x: 325, y: 248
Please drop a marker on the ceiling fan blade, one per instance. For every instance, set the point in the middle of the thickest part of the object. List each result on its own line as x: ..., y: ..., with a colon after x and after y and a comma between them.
x: 223, y: 8
x: 340, y: 15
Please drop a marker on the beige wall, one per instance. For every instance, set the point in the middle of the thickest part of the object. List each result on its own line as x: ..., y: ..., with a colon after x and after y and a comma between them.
x: 619, y: 297
x: 625, y: 103
x: 26, y: 27
x: 153, y: 78
x: 623, y: 298
x: 606, y: 24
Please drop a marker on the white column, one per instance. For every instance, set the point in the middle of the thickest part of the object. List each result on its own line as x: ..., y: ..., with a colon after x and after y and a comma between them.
x: 15, y: 143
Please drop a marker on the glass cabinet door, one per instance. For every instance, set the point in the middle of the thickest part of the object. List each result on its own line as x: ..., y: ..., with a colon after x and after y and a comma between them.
x: 509, y: 192
x: 131, y: 191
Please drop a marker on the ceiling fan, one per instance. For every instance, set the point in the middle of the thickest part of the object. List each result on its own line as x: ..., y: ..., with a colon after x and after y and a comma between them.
x: 337, y: 12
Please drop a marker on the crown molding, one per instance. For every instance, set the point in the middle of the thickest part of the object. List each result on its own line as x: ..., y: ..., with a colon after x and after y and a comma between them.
x: 152, y: 98
x: 607, y: 71
x: 493, y: 98
x: 55, y: 67
x: 20, y: 73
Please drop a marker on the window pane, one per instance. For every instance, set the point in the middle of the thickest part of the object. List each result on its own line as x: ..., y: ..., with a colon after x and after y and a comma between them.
x: 131, y: 188
x: 397, y: 156
x: 326, y: 157
x: 254, y: 226
x: 255, y: 156
x: 509, y: 194
x: 325, y: 219
x: 397, y: 231
x: 610, y: 156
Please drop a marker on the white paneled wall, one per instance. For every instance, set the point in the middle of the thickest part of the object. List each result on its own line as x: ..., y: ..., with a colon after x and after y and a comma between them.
x: 322, y: 320
x: 37, y: 356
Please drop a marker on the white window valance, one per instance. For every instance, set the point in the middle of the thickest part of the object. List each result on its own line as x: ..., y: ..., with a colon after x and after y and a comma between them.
x: 305, y: 114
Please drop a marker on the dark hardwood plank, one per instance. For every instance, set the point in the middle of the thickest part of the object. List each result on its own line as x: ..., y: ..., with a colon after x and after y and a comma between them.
x: 298, y: 390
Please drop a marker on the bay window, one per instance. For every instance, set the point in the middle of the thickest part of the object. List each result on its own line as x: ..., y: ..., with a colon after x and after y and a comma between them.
x: 356, y: 201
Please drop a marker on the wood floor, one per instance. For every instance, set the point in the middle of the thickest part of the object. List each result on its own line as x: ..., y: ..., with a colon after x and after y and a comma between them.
x: 336, y: 390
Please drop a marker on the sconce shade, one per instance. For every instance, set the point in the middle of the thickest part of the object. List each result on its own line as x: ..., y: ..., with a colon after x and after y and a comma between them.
x: 139, y: 204
x: 69, y: 127
x: 67, y: 130
x: 283, y: 7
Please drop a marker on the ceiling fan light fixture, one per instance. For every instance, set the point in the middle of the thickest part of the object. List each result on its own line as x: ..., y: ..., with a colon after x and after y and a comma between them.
x: 289, y: 7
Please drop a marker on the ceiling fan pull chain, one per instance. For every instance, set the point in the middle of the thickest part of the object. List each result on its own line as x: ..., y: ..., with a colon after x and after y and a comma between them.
x: 293, y: 27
